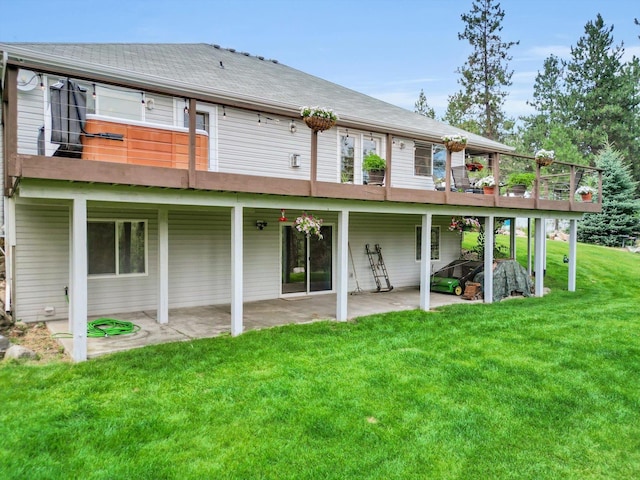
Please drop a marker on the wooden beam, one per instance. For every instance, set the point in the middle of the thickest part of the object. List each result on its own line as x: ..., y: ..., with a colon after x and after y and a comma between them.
x: 314, y: 162
x: 192, y: 143
x: 389, y: 155
x: 10, y: 120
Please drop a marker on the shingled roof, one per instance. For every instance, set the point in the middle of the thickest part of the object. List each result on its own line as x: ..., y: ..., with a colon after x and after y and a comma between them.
x: 210, y: 69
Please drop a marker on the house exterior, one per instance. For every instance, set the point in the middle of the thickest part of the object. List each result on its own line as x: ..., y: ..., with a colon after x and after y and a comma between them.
x: 156, y: 176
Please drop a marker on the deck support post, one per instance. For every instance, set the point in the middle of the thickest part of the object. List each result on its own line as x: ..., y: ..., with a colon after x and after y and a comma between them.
x: 78, y: 278
x: 237, y: 276
x: 573, y: 254
x: 162, y: 314
x: 425, y: 262
x: 488, y: 259
x: 539, y: 256
x: 343, y: 266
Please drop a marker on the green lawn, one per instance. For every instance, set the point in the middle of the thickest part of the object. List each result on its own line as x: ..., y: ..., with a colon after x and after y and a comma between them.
x: 535, y: 388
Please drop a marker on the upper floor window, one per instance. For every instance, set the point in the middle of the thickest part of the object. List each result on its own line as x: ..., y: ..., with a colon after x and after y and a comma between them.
x: 353, y: 148
x: 429, y: 159
x: 347, y: 158
x: 112, y: 102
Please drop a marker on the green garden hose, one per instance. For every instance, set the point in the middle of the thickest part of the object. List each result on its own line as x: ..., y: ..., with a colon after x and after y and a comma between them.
x: 108, y: 327
x: 104, y: 327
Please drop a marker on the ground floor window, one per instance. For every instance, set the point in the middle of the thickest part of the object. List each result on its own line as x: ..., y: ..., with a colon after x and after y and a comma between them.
x: 435, y: 243
x: 117, y: 247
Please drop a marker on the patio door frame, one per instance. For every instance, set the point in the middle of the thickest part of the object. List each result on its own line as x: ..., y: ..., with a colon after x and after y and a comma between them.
x: 307, y: 290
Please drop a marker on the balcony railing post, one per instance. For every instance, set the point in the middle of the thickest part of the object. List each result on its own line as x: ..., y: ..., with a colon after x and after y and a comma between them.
x: 447, y: 178
x: 572, y: 186
x: 314, y: 162
x: 496, y: 177
x: 387, y: 173
x: 192, y: 143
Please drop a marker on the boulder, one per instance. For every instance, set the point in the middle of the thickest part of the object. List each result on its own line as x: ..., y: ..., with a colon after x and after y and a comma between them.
x: 18, y: 352
x: 4, y: 344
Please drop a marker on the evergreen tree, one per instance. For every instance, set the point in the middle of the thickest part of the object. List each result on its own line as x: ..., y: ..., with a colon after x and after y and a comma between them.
x: 604, y: 95
x: 422, y: 107
x: 485, y: 73
x: 548, y: 100
x: 620, y: 211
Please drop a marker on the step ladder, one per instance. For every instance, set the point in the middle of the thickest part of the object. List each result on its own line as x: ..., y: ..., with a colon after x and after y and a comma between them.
x: 378, y: 268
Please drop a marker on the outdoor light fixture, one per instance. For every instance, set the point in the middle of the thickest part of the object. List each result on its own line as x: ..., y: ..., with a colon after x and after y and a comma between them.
x: 294, y: 158
x: 94, y: 91
x: 292, y: 127
x: 259, y: 120
x: 142, y: 94
x: 41, y: 82
x: 186, y: 107
x: 224, y: 112
x: 260, y: 224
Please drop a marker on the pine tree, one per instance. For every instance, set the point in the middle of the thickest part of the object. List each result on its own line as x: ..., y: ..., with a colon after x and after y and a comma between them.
x: 548, y: 100
x: 620, y: 211
x: 605, y: 95
x: 486, y: 71
x: 422, y: 107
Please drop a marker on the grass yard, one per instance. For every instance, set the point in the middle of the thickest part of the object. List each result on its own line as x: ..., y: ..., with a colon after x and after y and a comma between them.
x: 540, y: 388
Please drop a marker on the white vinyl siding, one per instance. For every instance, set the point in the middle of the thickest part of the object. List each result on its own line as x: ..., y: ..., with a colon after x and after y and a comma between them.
x: 246, y: 147
x: 31, y: 110
x: 42, y: 262
x: 396, y: 236
x: 159, y: 109
x: 199, y: 263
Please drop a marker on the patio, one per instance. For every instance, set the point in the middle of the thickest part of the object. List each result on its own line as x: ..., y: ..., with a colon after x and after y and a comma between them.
x: 213, y: 320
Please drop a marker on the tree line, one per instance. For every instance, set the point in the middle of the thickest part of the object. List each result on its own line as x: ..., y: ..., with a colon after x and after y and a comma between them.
x: 586, y: 107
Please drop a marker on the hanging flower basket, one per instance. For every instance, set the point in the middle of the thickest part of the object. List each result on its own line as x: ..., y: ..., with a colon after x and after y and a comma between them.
x: 544, y: 158
x: 455, y: 143
x: 318, y: 124
x: 318, y: 119
x: 309, y: 225
x: 474, y: 166
x: 464, y: 224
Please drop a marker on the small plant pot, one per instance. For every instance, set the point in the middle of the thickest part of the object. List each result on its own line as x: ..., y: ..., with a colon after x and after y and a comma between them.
x: 587, y: 197
x: 518, y: 190
x: 489, y: 190
x: 376, y: 177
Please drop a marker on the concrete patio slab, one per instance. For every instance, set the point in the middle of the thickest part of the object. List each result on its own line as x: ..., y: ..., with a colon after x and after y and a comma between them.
x: 214, y: 320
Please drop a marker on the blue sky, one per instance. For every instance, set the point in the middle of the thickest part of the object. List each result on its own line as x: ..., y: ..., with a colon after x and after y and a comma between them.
x: 386, y: 49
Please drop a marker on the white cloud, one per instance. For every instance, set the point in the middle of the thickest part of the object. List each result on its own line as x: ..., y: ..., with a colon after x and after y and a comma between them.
x: 630, y: 52
x: 544, y: 51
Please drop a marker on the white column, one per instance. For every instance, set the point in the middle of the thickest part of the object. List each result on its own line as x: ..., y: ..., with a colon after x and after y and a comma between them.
x: 342, y: 287
x: 162, y: 315
x: 512, y: 237
x: 539, y: 256
x: 573, y: 254
x: 78, y: 281
x: 425, y: 263
x: 237, y: 276
x: 529, y: 269
x: 9, y: 244
x: 488, y: 259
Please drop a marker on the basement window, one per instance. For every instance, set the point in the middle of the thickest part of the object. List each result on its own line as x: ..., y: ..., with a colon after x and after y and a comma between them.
x: 117, y: 247
x: 435, y: 243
